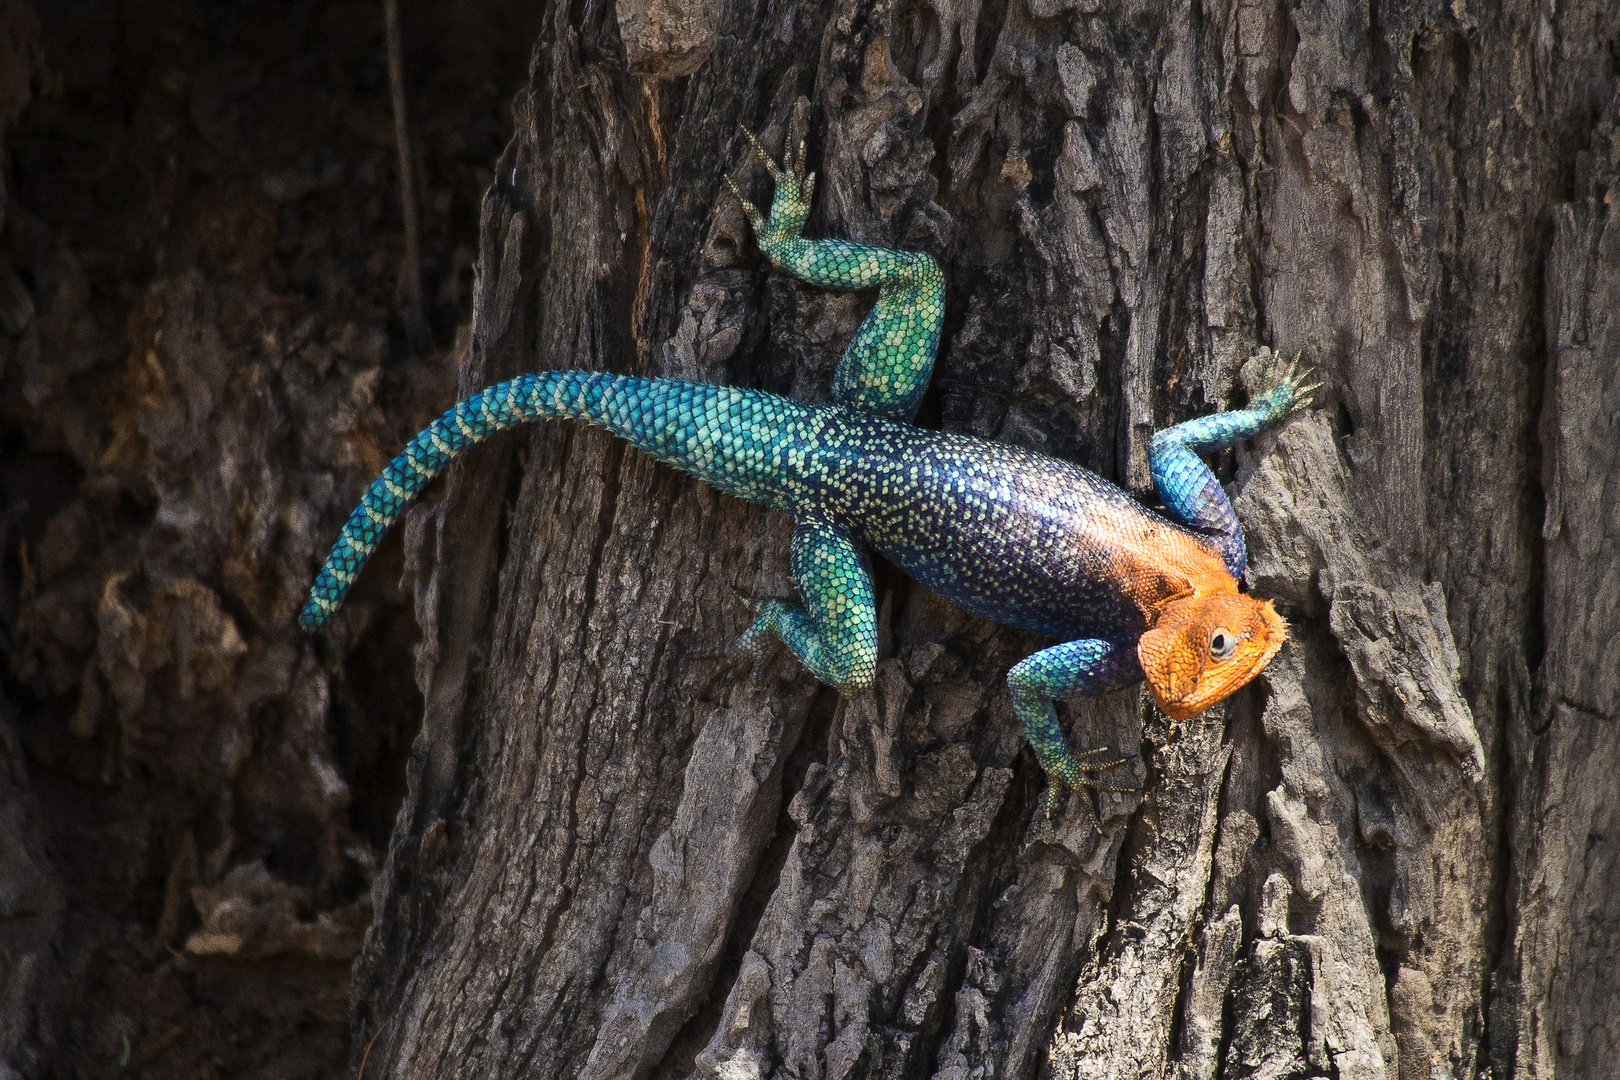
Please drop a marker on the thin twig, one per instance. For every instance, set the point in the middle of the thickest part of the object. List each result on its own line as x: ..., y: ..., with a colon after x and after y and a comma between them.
x: 416, y: 317
x: 361, y: 1075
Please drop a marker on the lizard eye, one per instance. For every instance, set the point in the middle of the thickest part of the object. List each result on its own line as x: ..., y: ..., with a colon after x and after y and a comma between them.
x: 1222, y: 643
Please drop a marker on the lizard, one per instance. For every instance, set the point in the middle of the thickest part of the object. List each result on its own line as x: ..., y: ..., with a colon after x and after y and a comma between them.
x: 1008, y: 533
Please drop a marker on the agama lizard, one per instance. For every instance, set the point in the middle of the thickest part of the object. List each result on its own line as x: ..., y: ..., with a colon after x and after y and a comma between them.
x: 1007, y: 533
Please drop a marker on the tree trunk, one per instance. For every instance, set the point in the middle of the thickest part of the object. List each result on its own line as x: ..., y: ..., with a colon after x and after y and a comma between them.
x: 1395, y: 855
x: 617, y: 860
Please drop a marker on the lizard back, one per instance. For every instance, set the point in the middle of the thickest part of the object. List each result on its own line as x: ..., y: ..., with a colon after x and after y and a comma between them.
x: 1008, y: 533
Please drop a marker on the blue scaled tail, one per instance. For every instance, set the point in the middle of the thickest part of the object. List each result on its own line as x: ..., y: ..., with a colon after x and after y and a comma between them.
x: 734, y: 439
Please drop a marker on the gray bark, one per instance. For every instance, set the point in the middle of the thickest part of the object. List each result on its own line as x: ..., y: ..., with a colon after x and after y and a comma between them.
x: 1396, y: 854
x: 1391, y: 857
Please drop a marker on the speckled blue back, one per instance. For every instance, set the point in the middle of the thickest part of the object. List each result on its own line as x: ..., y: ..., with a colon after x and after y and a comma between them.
x: 1008, y: 533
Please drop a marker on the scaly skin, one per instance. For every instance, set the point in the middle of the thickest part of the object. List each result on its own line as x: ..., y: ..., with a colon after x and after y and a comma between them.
x: 1007, y: 533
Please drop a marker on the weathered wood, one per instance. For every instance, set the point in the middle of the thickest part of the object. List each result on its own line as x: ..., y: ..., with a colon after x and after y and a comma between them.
x: 1133, y: 202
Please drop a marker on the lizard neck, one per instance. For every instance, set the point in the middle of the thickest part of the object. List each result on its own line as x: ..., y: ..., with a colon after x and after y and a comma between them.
x: 1170, y: 567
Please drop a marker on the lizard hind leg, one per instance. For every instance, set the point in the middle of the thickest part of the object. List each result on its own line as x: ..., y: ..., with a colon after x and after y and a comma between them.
x: 887, y: 366
x: 834, y: 635
x: 1089, y: 666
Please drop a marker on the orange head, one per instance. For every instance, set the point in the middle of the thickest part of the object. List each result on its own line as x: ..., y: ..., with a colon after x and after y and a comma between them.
x: 1204, y: 647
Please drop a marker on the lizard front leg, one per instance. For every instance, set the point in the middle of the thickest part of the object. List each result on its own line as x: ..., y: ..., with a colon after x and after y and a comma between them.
x: 1186, y: 485
x: 886, y: 367
x: 1086, y: 667
x: 834, y: 635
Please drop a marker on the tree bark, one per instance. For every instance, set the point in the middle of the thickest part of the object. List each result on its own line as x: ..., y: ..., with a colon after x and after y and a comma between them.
x: 1394, y: 855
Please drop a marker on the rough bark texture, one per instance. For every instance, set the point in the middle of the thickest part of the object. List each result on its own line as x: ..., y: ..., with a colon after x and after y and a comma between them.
x: 1395, y: 855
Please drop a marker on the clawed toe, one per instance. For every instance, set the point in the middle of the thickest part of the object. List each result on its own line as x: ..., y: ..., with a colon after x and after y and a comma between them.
x: 1056, y: 793
x: 1296, y: 377
x: 1083, y: 761
x: 1097, y: 784
x: 1290, y: 378
x: 1103, y: 785
x: 765, y: 158
x: 790, y: 178
x: 1085, y: 764
x: 748, y: 600
x: 790, y: 204
x: 748, y: 207
x: 755, y: 645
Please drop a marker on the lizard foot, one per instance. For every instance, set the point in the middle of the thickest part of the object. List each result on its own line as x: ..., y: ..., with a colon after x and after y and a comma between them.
x: 1288, y: 390
x: 1084, y: 763
x: 790, y: 205
x: 760, y: 641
